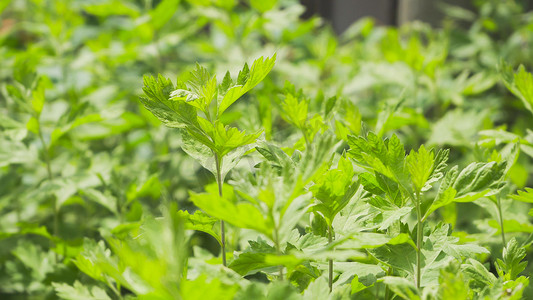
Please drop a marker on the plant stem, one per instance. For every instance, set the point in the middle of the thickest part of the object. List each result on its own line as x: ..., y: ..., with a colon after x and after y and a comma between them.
x: 419, y: 228
x: 500, y: 215
x: 115, y: 290
x: 387, y: 291
x: 48, y: 163
x: 45, y: 154
x: 278, y: 250
x: 330, y: 279
x: 222, y: 227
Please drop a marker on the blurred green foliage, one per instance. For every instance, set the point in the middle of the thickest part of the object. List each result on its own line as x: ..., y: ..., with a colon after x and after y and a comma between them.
x: 340, y: 170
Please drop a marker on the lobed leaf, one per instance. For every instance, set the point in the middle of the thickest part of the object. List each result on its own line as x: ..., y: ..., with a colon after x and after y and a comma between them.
x: 246, y: 81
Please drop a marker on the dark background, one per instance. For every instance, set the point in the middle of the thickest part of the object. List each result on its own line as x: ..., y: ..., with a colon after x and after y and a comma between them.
x: 342, y: 13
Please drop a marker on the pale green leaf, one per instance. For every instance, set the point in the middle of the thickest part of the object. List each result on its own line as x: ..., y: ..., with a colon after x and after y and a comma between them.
x: 78, y: 291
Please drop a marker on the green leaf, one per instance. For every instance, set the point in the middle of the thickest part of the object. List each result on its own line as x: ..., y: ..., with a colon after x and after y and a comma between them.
x: 512, y: 265
x: 356, y: 285
x: 110, y: 8
x: 511, y: 226
x: 386, y: 157
x: 295, y: 111
x: 201, y: 222
x: 251, y: 262
x: 438, y: 249
x: 369, y: 240
x: 4, y: 4
x: 242, y: 215
x: 446, y: 193
x: 263, y: 5
x: 227, y: 139
x: 260, y: 68
x: 420, y: 166
x: 33, y: 125
x: 479, y: 276
x: 520, y: 83
x: 173, y: 113
x: 105, y: 199
x: 37, y: 99
x: 402, y: 287
x: 201, y: 288
x: 478, y: 180
x: 282, y: 290
x: 163, y: 12
x: 275, y: 155
x: 199, y: 151
x: 452, y: 284
x: 334, y: 189
x: 79, y: 291
x: 202, y: 89
x: 524, y: 196
x: 93, y: 260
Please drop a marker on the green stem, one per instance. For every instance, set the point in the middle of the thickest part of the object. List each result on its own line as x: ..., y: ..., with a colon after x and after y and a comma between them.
x: 45, y: 154
x: 278, y: 251
x: 114, y: 289
x: 48, y: 163
x: 222, y: 226
x: 500, y: 216
x: 387, y: 291
x: 307, y: 141
x: 419, y: 228
x: 330, y: 279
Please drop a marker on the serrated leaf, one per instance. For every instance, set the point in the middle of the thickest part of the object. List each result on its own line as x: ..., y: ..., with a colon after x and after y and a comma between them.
x: 246, y: 81
x: 201, y: 222
x: 227, y: 139
x: 200, y: 91
x: 478, y: 180
x: 295, y: 111
x: 420, y: 166
x: 512, y: 265
x: 386, y: 157
x: 524, y: 196
x: 334, y: 189
x: 173, y: 113
x: 79, y: 291
x: 520, y: 83
x: 226, y: 83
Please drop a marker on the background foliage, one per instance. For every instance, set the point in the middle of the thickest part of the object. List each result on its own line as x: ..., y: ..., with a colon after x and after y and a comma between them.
x: 384, y: 162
